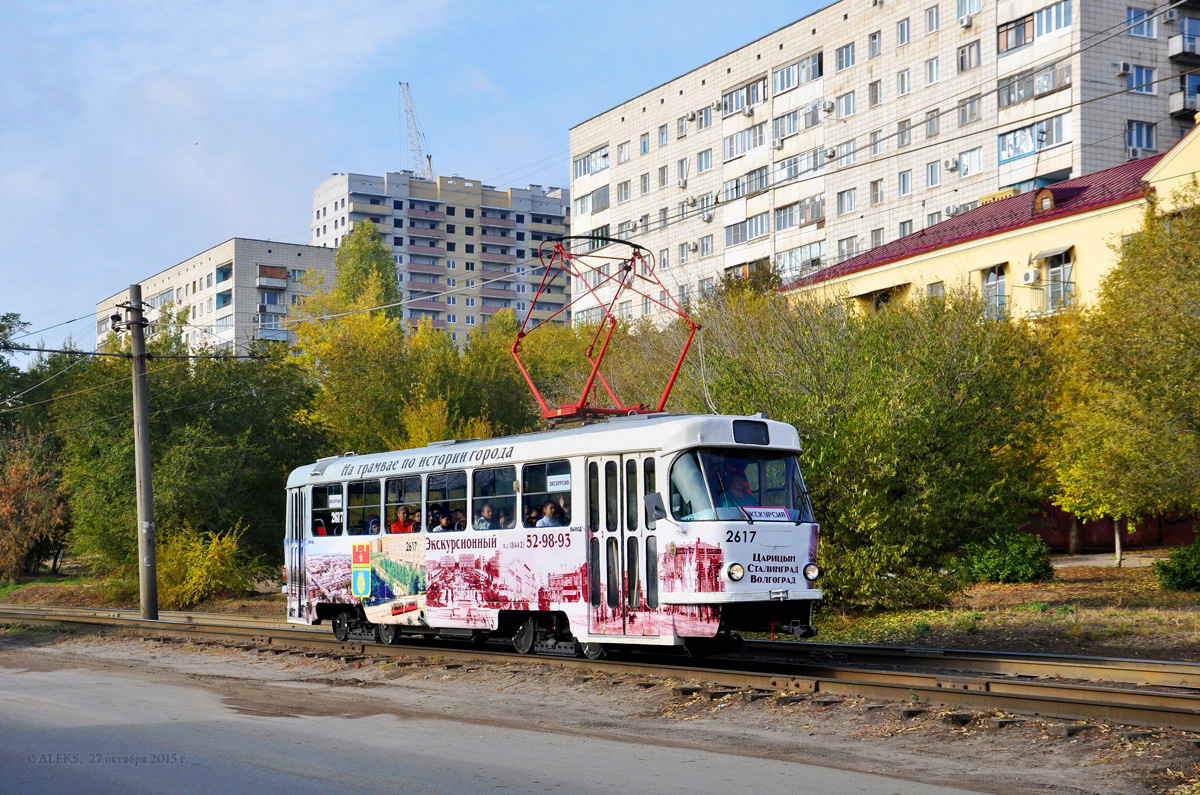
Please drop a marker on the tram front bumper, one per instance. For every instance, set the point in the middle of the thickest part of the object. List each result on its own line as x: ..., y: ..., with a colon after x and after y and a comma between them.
x: 717, y: 598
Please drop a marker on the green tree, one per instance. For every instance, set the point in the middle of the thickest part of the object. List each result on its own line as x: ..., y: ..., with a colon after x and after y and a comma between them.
x: 1130, y: 423
x: 361, y: 256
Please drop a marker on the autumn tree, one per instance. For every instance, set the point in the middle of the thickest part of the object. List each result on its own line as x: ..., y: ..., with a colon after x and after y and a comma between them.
x: 1130, y: 424
x: 33, y: 510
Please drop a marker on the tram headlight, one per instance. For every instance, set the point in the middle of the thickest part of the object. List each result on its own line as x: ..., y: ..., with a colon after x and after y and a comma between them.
x: 811, y: 572
x: 735, y: 572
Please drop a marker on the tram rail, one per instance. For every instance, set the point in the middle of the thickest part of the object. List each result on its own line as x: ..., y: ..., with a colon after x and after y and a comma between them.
x: 1165, y: 694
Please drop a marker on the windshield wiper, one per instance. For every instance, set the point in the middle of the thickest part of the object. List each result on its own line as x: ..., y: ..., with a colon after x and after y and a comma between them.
x: 723, y: 493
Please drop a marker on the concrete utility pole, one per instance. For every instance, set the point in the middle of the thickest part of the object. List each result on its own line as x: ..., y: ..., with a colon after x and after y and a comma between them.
x: 147, y: 570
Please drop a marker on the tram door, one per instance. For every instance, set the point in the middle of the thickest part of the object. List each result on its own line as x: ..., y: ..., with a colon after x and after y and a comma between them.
x: 617, y: 561
x: 296, y: 520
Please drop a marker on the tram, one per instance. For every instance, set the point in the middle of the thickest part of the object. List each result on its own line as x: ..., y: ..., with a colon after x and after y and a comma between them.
x: 650, y: 530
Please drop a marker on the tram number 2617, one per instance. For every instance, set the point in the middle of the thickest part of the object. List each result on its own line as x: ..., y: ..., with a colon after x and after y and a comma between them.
x: 548, y: 540
x: 737, y: 536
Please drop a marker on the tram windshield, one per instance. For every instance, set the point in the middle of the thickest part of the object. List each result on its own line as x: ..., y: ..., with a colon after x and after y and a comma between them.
x: 713, y: 484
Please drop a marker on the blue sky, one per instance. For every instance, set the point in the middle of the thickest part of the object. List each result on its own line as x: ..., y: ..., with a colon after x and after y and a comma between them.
x: 135, y: 135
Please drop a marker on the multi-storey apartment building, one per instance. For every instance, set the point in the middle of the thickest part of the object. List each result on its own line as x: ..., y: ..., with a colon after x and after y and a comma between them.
x: 465, y: 250
x: 868, y: 121
x: 236, y: 293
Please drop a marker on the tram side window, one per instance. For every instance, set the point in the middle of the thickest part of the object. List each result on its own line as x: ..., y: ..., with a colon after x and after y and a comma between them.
x: 631, y: 495
x: 594, y: 497
x: 651, y: 572
x: 404, y: 505
x: 610, y: 496
x: 546, y: 494
x: 327, y: 510
x: 494, y: 498
x: 689, y: 495
x: 446, y: 505
x: 651, y: 486
x: 363, y: 510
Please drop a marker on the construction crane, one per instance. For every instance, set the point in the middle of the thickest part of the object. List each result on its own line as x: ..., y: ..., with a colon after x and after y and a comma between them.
x: 422, y: 163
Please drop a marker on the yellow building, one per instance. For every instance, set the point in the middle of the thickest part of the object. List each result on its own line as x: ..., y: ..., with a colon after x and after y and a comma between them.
x: 1027, y: 254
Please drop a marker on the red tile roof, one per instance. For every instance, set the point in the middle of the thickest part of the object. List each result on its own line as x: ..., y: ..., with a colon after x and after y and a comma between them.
x: 1110, y: 186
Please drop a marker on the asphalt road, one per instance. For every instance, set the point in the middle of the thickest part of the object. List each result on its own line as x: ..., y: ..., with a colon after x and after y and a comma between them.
x: 97, y: 731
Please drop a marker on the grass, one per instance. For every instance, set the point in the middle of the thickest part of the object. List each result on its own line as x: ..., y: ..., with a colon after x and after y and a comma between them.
x: 1099, y: 611
x: 7, y: 588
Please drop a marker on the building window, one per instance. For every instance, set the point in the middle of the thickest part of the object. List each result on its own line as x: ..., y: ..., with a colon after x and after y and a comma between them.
x: 1060, y: 290
x: 969, y: 8
x: 704, y: 118
x: 933, y: 218
x: 596, y: 160
x: 994, y: 298
x: 662, y: 218
x: 663, y: 176
x: 846, y: 248
x: 904, y: 182
x: 905, y: 228
x: 845, y: 105
x: 933, y: 174
x: 969, y: 109
x: 933, y: 123
x: 682, y: 253
x: 932, y: 21
x: 877, y: 237
x: 703, y: 161
x: 1141, y: 23
x: 935, y: 290
x: 874, y: 44
x: 664, y: 258
x: 754, y: 226
x: 874, y: 93
x: 843, y: 57
x: 845, y: 202
x: 903, y: 133
x: 623, y: 152
x: 1140, y: 80
x: 645, y: 183
x: 681, y: 127
x: 877, y: 191
x: 796, y: 74
x: 623, y: 192
x: 644, y: 143
x: 751, y: 94
x: 1140, y: 134
x: 1053, y: 18
x: 706, y: 246
x: 968, y: 56
x: 739, y: 143
x: 902, y: 32
x: 876, y: 141
x: 785, y: 125
x: 662, y: 135
x: 903, y: 84
x: 970, y: 162
x: 1010, y: 36
x: 847, y: 153
x: 1034, y: 137
x: 931, y: 71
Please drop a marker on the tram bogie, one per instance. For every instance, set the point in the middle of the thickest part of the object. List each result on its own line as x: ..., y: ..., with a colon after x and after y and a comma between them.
x: 655, y: 530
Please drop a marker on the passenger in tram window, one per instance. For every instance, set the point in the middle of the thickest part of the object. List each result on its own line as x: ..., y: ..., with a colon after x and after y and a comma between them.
x: 486, y: 520
x: 444, y: 524
x: 458, y: 519
x: 506, y: 520
x: 564, y: 510
x: 373, y: 526
x: 402, y: 523
x: 551, y: 516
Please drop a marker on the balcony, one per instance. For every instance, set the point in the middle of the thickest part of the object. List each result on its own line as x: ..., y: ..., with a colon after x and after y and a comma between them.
x: 432, y: 215
x: 424, y: 267
x: 491, y: 256
x: 370, y: 209
x: 497, y: 240
x: 425, y: 305
x: 496, y: 292
x: 1054, y: 297
x: 1183, y: 48
x: 549, y: 229
x: 498, y: 223
x: 428, y: 251
x: 491, y: 310
x: 267, y: 283
x: 1183, y: 103
x: 420, y: 231
x: 273, y: 334
x: 437, y: 323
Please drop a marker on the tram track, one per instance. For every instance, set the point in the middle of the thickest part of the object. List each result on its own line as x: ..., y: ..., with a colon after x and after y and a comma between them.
x: 1158, y: 694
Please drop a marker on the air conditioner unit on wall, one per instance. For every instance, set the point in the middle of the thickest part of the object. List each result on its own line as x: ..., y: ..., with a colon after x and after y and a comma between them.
x: 1031, y: 276
x: 1124, y: 68
x: 706, y: 217
x: 827, y: 105
x: 748, y: 110
x: 693, y: 247
x: 691, y: 201
x: 876, y: 3
x: 691, y: 115
x: 777, y: 143
x: 1134, y: 153
x: 951, y: 210
x: 950, y: 164
x: 682, y: 182
x: 1171, y: 16
x: 830, y: 154
x: 965, y: 21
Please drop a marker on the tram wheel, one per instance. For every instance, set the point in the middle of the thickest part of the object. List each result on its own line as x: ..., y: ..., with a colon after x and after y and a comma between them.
x: 525, y: 635
x: 341, y: 625
x: 389, y: 634
x: 593, y: 651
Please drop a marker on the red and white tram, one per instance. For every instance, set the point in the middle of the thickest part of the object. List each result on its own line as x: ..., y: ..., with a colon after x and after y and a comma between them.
x: 659, y: 530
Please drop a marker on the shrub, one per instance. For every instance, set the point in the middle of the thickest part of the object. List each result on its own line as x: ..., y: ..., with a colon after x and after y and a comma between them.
x: 194, y: 567
x: 1008, y: 557
x: 1181, y: 570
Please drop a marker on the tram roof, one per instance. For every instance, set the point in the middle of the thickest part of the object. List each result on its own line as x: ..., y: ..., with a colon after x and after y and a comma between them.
x: 636, y: 433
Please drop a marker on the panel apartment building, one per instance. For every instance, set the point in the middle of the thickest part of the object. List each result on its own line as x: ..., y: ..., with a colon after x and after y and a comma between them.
x: 236, y: 293
x: 870, y: 120
x: 465, y: 250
